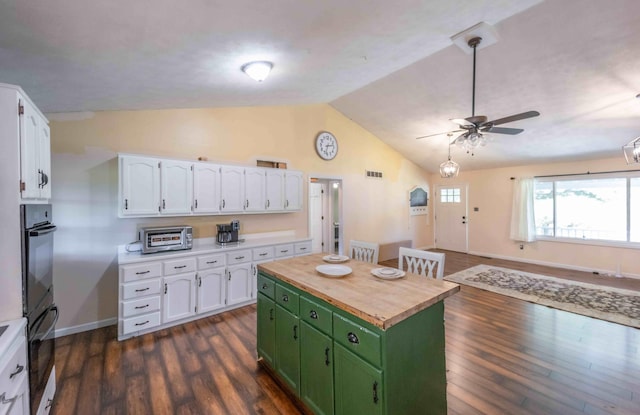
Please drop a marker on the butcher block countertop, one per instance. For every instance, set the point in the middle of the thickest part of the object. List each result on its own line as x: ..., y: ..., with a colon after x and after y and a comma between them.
x: 380, y: 302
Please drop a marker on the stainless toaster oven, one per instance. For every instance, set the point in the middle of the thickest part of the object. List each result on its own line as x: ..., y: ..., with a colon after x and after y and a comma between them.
x: 165, y: 238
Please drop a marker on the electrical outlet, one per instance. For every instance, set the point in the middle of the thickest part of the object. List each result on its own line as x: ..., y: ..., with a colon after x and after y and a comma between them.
x: 521, y: 246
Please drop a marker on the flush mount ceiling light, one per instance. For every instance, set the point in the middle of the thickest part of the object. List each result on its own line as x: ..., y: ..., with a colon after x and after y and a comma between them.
x: 632, y: 151
x: 257, y: 70
x: 449, y: 168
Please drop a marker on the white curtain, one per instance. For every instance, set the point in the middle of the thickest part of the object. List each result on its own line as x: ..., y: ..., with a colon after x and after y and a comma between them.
x: 523, y: 226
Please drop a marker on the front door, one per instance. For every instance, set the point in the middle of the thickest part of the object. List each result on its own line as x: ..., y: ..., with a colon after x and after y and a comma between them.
x: 451, y: 218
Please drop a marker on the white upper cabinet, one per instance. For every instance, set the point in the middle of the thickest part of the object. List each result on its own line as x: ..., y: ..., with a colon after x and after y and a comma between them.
x: 140, y: 186
x: 293, y: 190
x: 176, y: 178
x: 35, y: 152
x: 151, y: 186
x: 206, y: 188
x: 274, y: 189
x: 254, y: 189
x: 232, y: 189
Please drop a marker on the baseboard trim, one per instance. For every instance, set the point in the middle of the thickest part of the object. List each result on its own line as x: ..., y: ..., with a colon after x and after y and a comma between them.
x: 86, y: 327
x: 603, y: 272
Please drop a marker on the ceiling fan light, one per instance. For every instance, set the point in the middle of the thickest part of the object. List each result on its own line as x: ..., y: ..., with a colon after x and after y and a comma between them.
x: 632, y: 151
x: 257, y: 70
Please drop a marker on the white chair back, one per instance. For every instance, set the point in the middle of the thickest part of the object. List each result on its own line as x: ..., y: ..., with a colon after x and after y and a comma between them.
x: 422, y: 262
x: 364, y: 251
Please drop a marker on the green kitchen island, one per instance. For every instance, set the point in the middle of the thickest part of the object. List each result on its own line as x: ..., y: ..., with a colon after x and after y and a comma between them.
x: 356, y: 344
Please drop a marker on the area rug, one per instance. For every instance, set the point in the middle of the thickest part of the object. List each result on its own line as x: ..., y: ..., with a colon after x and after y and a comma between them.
x: 605, y: 303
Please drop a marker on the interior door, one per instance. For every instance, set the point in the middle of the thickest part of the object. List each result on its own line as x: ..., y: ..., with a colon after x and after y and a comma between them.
x: 316, y: 216
x: 452, y: 218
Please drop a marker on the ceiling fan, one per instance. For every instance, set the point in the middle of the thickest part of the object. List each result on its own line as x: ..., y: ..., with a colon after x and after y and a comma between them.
x: 474, y: 127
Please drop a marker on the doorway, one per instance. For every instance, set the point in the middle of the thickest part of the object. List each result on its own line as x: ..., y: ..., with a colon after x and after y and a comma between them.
x: 325, y: 215
x: 451, y: 218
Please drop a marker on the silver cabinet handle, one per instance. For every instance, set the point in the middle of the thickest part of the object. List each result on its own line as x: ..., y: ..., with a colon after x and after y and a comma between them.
x: 141, y: 306
x: 143, y: 323
x: 212, y: 262
x: 240, y: 257
x: 143, y: 272
x: 139, y: 290
x: 179, y: 266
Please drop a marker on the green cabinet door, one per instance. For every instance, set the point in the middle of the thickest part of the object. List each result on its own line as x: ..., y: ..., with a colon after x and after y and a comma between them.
x: 358, y: 385
x: 267, y: 329
x: 316, y: 375
x: 288, y: 348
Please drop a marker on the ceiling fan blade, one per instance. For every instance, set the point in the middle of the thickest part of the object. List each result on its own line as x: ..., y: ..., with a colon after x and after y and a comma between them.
x: 462, y: 122
x: 502, y: 130
x: 433, y: 135
x: 516, y: 117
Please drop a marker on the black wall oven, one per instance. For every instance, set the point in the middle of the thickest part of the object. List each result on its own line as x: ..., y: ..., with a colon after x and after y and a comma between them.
x: 37, y: 289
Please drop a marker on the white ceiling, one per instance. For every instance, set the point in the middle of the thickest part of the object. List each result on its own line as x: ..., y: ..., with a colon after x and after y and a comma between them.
x: 390, y: 66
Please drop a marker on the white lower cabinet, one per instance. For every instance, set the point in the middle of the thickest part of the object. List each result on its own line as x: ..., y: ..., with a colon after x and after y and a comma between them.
x: 14, y: 380
x: 211, y: 289
x: 239, y: 283
x: 47, y: 396
x: 179, y: 298
x: 166, y: 290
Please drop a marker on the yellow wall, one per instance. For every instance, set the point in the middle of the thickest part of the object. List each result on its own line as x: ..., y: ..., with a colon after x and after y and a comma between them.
x: 491, y: 191
x: 85, y: 148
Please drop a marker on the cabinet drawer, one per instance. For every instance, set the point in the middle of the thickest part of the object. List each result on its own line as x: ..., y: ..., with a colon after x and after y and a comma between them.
x: 302, y: 248
x: 15, y: 368
x: 238, y: 257
x: 141, y: 322
x: 260, y: 254
x: 138, y: 272
x: 284, y: 250
x: 211, y: 261
x: 140, y: 289
x: 287, y: 299
x: 266, y: 286
x: 139, y: 306
x: 179, y: 266
x: 358, y: 339
x: 316, y: 315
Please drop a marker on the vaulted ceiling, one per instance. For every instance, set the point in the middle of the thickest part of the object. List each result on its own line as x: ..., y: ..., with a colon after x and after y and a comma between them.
x: 389, y: 66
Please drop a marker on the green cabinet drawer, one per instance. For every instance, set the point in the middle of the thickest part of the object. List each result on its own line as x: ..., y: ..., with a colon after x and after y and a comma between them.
x: 287, y: 298
x: 316, y: 315
x: 266, y: 286
x: 361, y: 341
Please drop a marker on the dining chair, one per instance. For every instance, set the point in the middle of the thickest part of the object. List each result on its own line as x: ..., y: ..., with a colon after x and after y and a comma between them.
x: 422, y: 262
x: 364, y: 251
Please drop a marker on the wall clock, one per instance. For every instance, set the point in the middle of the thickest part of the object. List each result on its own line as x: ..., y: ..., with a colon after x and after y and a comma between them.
x: 326, y: 145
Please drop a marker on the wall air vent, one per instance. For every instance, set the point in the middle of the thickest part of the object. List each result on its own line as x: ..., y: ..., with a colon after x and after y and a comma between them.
x: 373, y: 174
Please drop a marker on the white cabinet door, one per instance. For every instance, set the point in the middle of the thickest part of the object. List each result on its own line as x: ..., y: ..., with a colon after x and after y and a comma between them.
x: 179, y: 300
x: 44, y: 159
x: 293, y: 190
x: 140, y: 186
x: 275, y: 189
x: 177, y: 187
x: 29, y: 143
x: 238, y: 283
x: 211, y: 289
x: 232, y: 189
x: 254, y: 190
x: 206, y: 188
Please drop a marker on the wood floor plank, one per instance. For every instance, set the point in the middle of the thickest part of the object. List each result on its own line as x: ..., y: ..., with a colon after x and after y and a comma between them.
x: 504, y: 356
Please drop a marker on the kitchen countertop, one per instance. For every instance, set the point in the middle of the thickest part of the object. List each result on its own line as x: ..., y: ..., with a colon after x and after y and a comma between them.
x: 206, y: 246
x: 380, y: 302
x: 14, y: 329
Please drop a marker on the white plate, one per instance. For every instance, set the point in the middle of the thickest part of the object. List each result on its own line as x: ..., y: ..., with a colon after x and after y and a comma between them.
x: 334, y: 271
x: 387, y: 273
x: 335, y: 259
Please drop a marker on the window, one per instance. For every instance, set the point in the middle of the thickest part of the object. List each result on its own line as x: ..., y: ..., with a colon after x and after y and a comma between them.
x: 604, y: 208
x: 450, y: 195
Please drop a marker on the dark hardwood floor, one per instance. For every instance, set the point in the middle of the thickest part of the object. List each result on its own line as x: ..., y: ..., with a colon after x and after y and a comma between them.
x: 504, y: 356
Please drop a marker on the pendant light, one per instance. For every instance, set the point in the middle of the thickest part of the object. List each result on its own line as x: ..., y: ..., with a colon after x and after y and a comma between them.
x: 449, y: 168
